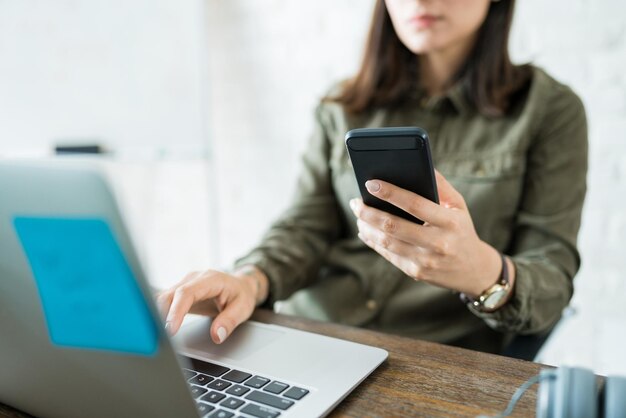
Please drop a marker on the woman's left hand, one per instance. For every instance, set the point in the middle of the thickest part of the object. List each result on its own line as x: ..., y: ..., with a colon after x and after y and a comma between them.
x: 445, y: 251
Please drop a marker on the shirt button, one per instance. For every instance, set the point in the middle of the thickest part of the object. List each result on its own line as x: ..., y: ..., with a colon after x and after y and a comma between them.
x: 371, y: 304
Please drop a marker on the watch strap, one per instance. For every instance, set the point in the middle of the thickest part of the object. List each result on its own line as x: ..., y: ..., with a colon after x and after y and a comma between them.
x: 503, y: 280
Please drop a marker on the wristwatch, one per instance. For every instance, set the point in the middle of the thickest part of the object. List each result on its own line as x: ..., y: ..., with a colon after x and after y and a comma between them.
x: 493, y: 297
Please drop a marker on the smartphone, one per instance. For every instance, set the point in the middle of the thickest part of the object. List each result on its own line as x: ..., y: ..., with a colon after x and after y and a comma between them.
x: 400, y: 156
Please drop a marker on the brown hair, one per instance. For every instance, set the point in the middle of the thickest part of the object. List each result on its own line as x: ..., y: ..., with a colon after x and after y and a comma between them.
x: 388, y: 72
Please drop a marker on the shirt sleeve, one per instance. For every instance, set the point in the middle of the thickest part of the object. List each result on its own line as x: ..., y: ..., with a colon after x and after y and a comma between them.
x: 292, y: 250
x: 543, y: 248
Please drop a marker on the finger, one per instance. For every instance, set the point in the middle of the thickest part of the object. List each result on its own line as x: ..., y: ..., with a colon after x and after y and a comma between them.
x: 205, y: 308
x: 392, y: 225
x: 410, y: 202
x: 448, y: 195
x: 231, y: 317
x: 186, y: 295
x: 386, y: 241
x: 402, y: 263
x: 164, y: 301
x: 164, y: 297
x: 181, y: 303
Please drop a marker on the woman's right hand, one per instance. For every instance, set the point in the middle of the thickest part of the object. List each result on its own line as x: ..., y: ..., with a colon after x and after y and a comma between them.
x: 229, y: 298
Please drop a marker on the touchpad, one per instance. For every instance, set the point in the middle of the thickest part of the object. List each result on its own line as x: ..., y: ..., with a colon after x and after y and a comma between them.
x: 249, y: 338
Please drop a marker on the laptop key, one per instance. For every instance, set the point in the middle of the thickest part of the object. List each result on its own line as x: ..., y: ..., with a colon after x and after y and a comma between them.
x: 259, y: 411
x: 276, y: 387
x: 189, y: 373
x: 257, y: 382
x: 296, y: 393
x: 207, y: 367
x: 213, y: 397
x: 237, y: 390
x: 219, y: 384
x: 197, y: 391
x: 200, y: 379
x: 271, y: 400
x: 232, y: 403
x: 220, y: 413
x: 204, y: 408
x: 236, y: 376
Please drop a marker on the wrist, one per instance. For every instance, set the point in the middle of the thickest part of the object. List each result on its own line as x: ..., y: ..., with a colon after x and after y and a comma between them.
x: 257, y: 280
x: 489, y: 270
x: 497, y: 294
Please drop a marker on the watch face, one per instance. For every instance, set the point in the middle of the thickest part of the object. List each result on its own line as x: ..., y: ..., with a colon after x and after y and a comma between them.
x: 493, y: 300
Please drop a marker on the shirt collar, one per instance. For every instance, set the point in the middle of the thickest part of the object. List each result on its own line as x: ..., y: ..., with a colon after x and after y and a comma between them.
x: 454, y: 98
x: 458, y: 98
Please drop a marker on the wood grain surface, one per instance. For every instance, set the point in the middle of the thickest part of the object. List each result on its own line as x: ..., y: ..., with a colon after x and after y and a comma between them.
x: 423, y: 379
x: 419, y: 379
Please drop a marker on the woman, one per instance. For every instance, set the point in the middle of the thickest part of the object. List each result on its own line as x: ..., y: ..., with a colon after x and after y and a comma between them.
x: 510, y: 145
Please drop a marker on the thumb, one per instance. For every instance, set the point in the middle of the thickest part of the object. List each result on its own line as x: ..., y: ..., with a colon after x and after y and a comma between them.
x: 448, y: 195
x: 230, y: 318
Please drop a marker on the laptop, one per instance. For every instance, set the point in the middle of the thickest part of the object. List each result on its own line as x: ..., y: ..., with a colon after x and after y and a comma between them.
x: 80, y: 335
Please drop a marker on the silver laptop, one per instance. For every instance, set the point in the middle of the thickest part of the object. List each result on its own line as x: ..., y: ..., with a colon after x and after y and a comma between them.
x: 80, y: 335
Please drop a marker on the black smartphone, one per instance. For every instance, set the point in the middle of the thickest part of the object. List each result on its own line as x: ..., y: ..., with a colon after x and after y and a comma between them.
x: 400, y: 156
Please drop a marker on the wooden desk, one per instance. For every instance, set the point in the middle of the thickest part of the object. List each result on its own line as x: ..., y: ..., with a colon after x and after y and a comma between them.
x: 419, y: 379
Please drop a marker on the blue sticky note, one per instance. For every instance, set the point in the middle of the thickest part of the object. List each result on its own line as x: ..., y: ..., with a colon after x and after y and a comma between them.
x: 88, y: 292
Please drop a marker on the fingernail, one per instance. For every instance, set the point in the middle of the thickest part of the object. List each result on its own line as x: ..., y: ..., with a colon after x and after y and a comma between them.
x: 372, y: 186
x: 353, y: 204
x: 221, y: 334
x: 167, y: 326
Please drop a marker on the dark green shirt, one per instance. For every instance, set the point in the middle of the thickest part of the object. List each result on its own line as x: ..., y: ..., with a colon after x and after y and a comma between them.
x: 523, y: 177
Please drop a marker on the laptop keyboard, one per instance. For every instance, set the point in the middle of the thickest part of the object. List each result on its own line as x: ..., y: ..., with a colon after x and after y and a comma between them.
x: 221, y: 392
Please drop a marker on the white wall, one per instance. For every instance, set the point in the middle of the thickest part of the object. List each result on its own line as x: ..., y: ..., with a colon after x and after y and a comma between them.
x: 129, y: 75
x: 271, y: 61
x: 583, y: 43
